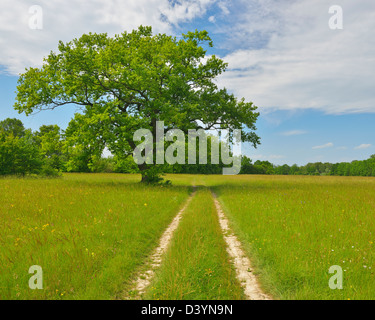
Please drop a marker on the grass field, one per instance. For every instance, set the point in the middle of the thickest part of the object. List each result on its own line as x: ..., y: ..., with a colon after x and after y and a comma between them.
x: 92, y: 232
x: 88, y: 232
x: 296, y: 228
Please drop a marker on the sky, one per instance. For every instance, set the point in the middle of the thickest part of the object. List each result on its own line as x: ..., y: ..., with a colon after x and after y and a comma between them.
x: 314, y: 84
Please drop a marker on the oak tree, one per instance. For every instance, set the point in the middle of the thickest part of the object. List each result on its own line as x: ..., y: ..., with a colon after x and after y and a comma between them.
x: 131, y: 81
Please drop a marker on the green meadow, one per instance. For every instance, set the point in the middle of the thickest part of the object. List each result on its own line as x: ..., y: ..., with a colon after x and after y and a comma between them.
x: 296, y: 228
x: 92, y: 233
x: 89, y: 233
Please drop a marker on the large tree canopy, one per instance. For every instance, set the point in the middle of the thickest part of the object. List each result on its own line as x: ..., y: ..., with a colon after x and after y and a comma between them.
x: 130, y: 81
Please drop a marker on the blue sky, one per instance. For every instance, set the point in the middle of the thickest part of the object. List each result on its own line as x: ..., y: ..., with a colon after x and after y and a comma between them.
x: 315, y: 87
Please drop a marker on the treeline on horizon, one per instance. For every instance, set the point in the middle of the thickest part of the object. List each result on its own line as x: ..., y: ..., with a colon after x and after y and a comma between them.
x: 50, y: 151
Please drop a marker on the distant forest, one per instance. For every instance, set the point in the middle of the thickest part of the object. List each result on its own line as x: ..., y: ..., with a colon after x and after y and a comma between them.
x: 50, y: 151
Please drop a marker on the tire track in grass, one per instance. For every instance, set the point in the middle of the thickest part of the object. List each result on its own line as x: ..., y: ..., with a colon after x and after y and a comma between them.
x: 196, y: 265
x: 144, y: 278
x: 241, y: 262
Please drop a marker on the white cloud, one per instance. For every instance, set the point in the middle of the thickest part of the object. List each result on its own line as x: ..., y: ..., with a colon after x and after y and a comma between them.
x: 327, y: 145
x: 304, y: 64
x: 64, y: 20
x: 212, y: 19
x: 224, y: 7
x: 181, y: 11
x: 293, y: 133
x: 362, y: 146
x: 285, y: 56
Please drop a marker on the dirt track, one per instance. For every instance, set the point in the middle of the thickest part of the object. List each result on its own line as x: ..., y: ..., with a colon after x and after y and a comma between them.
x: 241, y: 262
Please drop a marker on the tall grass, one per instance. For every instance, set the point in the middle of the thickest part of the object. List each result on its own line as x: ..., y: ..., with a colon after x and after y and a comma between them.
x: 87, y: 232
x: 91, y: 232
x: 296, y: 228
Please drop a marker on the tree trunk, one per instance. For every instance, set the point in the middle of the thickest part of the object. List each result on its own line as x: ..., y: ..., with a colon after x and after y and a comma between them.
x: 144, y: 179
x: 143, y: 167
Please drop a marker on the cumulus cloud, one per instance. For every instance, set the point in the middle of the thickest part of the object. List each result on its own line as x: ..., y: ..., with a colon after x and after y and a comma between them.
x: 327, y: 145
x: 283, y: 55
x: 363, y: 146
x: 64, y: 20
x: 212, y: 19
x: 303, y: 64
x: 182, y: 11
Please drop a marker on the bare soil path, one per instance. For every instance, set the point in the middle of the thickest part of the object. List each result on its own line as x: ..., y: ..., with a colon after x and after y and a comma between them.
x: 241, y: 262
x: 144, y: 278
